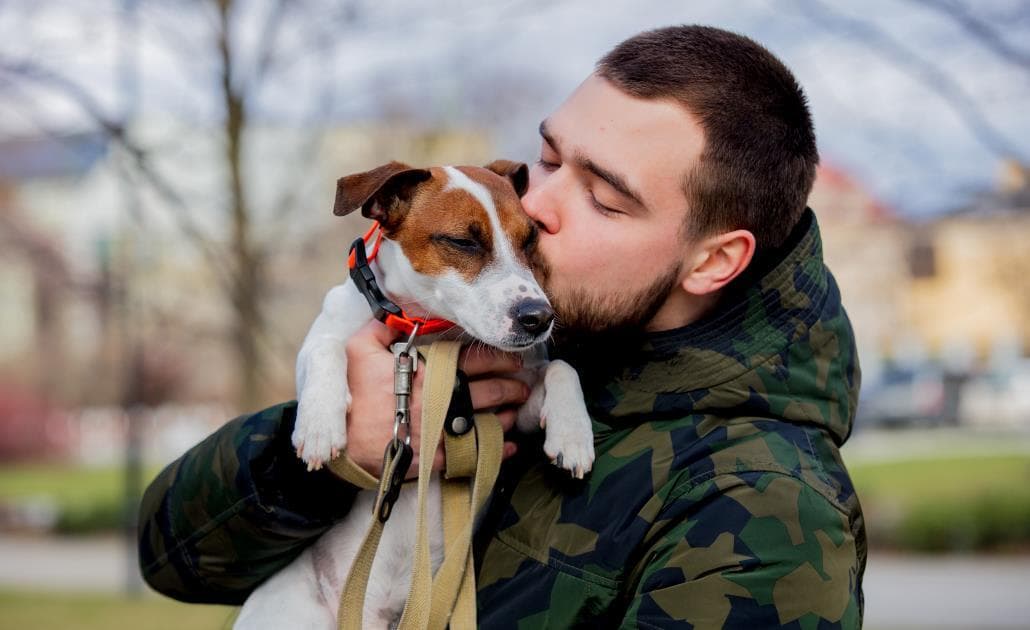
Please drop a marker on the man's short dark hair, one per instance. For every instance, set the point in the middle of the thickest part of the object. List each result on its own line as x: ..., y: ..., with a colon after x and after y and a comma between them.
x: 759, y: 157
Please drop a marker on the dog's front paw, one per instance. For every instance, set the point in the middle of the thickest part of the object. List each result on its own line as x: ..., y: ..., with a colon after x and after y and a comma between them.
x: 321, y: 429
x: 569, y: 440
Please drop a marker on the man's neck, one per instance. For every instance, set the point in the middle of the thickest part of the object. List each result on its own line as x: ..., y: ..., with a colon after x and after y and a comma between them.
x: 681, y: 309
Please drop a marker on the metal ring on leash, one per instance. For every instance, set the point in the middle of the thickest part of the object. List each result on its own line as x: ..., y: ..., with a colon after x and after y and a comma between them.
x: 405, y: 365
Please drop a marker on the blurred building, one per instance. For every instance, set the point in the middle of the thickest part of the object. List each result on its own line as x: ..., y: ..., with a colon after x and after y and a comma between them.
x: 956, y: 287
x: 941, y: 308
x: 42, y: 283
x: 971, y: 271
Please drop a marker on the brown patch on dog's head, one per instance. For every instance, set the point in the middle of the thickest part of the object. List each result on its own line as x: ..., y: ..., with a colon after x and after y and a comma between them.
x: 520, y: 228
x: 445, y: 230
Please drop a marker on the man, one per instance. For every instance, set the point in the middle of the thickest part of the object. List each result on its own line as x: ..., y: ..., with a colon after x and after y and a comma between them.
x: 718, y: 365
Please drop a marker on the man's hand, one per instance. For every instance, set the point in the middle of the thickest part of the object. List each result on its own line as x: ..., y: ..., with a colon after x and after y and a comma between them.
x: 370, y: 377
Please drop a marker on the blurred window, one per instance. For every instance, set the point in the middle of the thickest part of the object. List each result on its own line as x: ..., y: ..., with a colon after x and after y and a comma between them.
x: 922, y: 257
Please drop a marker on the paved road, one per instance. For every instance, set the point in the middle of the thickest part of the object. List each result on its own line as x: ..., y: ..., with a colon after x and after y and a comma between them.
x: 947, y: 592
x: 902, y: 592
x: 65, y: 564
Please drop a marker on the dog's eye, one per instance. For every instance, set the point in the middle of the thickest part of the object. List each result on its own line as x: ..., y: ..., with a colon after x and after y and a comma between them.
x: 466, y: 245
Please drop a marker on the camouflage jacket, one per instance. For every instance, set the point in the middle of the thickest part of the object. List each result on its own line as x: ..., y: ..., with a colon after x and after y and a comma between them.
x: 718, y: 496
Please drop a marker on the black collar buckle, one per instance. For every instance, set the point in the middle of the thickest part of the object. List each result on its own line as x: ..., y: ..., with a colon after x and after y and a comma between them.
x: 366, y: 282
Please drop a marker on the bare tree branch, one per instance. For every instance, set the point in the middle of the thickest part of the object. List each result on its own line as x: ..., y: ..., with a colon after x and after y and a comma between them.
x: 267, y: 42
x: 927, y: 73
x: 980, y: 29
x: 287, y: 203
x: 30, y: 71
x: 50, y: 79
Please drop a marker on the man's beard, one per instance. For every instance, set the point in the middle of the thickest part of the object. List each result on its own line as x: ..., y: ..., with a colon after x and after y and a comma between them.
x: 582, y: 316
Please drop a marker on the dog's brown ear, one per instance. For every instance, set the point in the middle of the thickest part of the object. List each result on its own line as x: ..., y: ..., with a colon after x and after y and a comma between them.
x: 383, y: 194
x: 516, y: 172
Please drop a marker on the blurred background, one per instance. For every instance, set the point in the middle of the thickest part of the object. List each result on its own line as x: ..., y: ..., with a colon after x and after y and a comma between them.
x: 167, y: 170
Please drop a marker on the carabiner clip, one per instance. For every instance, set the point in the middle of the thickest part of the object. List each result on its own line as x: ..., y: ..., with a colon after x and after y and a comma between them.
x: 396, y: 461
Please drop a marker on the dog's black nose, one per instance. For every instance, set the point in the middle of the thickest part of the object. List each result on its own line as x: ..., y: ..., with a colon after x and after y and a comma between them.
x: 533, y: 316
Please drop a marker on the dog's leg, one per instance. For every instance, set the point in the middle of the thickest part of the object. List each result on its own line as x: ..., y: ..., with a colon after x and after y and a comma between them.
x: 322, y: 393
x: 530, y: 413
x: 563, y: 414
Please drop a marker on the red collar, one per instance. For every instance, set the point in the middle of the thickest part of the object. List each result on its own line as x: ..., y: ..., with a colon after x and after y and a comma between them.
x: 382, y: 307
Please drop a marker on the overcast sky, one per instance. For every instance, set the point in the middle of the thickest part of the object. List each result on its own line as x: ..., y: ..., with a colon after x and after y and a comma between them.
x: 874, y: 72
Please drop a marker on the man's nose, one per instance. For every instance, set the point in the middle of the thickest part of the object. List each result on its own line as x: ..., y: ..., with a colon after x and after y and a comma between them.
x: 540, y: 202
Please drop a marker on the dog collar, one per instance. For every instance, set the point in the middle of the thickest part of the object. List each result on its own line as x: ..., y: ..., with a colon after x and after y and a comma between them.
x: 382, y: 307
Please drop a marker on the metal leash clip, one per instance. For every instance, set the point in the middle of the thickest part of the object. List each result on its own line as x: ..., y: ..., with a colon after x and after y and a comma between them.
x: 405, y: 364
x: 399, y: 453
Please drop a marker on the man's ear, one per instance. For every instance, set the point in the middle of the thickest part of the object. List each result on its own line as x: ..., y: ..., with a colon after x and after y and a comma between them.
x: 516, y: 172
x: 383, y: 194
x: 717, y: 260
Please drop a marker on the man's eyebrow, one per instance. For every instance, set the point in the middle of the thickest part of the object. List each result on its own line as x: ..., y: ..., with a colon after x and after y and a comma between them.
x: 546, y: 135
x: 614, y: 180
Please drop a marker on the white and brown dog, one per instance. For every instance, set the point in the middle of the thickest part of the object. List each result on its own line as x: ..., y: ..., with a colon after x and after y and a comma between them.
x: 458, y: 246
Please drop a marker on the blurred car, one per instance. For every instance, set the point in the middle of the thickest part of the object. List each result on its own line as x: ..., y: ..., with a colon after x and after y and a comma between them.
x: 999, y: 397
x: 905, y: 397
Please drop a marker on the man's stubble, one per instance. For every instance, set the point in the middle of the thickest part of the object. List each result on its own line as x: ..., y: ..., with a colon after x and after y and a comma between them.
x: 582, y: 314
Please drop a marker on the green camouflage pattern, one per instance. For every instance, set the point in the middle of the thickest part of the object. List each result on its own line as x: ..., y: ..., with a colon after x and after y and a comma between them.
x: 718, y: 496
x: 235, y: 509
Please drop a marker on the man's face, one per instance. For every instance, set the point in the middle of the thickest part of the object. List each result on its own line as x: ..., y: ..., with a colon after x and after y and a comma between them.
x: 608, y: 195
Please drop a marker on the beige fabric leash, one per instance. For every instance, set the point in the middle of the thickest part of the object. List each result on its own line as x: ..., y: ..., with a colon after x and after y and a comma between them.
x: 345, y: 468
x: 450, y: 596
x: 454, y: 587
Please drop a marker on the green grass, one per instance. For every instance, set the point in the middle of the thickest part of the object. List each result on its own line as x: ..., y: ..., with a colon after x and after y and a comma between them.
x: 66, y: 484
x: 954, y: 503
x: 43, y: 611
x: 943, y: 478
x: 87, y: 499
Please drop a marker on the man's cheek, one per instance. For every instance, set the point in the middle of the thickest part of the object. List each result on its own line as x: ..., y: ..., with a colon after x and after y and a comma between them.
x: 541, y: 266
x: 549, y: 283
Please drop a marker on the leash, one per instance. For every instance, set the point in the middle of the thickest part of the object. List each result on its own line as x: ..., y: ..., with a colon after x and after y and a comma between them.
x: 473, y: 459
x: 383, y: 308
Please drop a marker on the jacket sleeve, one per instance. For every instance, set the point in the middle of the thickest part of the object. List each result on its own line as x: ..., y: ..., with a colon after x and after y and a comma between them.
x: 234, y: 510
x: 751, y: 550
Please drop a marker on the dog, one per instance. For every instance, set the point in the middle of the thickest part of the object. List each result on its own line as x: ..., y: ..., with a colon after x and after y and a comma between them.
x: 456, y: 245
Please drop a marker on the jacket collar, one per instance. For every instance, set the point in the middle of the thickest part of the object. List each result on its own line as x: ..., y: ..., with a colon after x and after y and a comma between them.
x: 778, y: 344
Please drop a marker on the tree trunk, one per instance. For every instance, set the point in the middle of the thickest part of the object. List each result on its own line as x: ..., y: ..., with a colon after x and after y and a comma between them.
x: 247, y: 281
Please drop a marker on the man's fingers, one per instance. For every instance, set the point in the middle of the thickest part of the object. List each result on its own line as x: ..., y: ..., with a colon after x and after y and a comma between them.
x: 373, y: 337
x: 479, y: 359
x: 494, y: 392
x: 507, y: 419
x: 438, y: 461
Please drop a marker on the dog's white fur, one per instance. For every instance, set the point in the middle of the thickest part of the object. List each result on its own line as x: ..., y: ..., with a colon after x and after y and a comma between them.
x: 306, y: 593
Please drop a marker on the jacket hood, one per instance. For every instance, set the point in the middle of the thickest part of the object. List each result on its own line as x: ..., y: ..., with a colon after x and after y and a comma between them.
x: 778, y: 345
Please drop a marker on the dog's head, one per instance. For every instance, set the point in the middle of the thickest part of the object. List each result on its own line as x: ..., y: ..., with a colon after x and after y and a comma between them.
x: 461, y: 245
